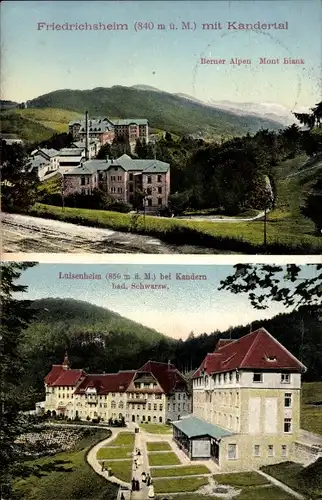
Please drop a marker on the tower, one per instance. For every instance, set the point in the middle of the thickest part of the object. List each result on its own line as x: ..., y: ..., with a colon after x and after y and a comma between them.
x: 66, y: 361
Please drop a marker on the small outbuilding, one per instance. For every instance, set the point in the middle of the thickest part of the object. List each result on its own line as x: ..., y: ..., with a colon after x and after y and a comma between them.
x: 198, y: 438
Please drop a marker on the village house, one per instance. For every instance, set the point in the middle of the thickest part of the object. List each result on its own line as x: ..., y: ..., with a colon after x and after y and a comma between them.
x: 94, y: 146
x: 43, y: 161
x: 70, y: 158
x: 246, y: 404
x: 155, y: 393
x: 124, y: 180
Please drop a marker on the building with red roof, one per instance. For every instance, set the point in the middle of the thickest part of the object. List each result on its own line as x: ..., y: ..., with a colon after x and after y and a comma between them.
x: 157, y: 392
x: 246, y: 404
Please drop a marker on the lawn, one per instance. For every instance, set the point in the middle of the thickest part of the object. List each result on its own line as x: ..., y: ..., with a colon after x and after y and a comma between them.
x: 71, y: 478
x: 286, y: 472
x: 311, y: 416
x: 283, y: 235
x: 157, y: 428
x: 240, y: 479
x: 123, y: 438
x: 186, y: 470
x: 163, y: 459
x: 121, y: 469
x: 106, y: 453
x: 158, y: 446
x: 247, y: 493
x: 179, y: 485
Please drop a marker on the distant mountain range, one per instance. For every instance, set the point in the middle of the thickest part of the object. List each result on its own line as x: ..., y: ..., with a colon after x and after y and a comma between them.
x: 266, y: 110
x: 174, y: 113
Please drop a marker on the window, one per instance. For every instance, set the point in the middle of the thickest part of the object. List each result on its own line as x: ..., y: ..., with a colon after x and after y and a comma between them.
x: 160, y: 190
x: 131, y: 188
x: 149, y: 418
x: 82, y: 181
x: 149, y: 406
x: 159, y: 201
x: 284, y: 450
x: 149, y: 191
x: 237, y: 398
x: 130, y: 177
x: 237, y: 377
x: 179, y: 406
x: 159, y: 178
x: 257, y: 450
x: 288, y: 400
x: 155, y: 407
x: 157, y: 396
x: 113, y: 177
x: 270, y: 450
x: 230, y: 377
x: 285, y: 378
x: 113, y: 404
x: 119, y: 190
x: 257, y: 377
x: 119, y: 177
x: 232, y: 452
x: 149, y: 202
x: 287, y: 425
x: 160, y: 407
x: 173, y: 407
x: 160, y: 420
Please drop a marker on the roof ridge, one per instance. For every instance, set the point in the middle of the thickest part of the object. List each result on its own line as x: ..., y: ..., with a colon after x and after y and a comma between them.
x: 251, y: 346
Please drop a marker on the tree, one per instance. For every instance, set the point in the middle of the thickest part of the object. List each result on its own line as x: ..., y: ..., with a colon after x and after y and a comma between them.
x: 16, y: 315
x: 18, y: 185
x: 313, y: 204
x: 266, y: 282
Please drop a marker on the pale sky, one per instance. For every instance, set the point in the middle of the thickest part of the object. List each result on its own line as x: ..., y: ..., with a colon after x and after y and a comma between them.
x: 38, y: 61
x: 185, y: 306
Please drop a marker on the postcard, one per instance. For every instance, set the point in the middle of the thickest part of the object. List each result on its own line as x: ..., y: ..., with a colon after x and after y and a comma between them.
x: 137, y: 381
x: 161, y: 127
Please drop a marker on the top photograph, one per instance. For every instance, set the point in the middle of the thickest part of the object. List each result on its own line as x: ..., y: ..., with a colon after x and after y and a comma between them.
x: 161, y: 127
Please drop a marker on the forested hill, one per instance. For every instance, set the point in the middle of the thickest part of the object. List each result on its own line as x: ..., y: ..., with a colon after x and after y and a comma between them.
x: 100, y: 340
x: 299, y: 331
x: 163, y: 110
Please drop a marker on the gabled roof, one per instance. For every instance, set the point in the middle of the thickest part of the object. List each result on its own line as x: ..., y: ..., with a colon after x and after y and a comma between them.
x: 53, y: 374
x: 50, y: 153
x: 106, y: 382
x: 69, y: 378
x: 196, y: 427
x: 71, y: 152
x: 130, y: 121
x: 257, y: 350
x: 166, y: 374
x: 223, y: 343
x: 125, y: 162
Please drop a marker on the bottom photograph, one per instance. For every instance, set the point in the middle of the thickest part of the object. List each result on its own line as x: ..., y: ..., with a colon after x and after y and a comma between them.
x: 173, y: 382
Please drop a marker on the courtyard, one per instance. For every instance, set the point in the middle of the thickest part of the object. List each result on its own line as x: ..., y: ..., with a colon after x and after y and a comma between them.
x: 174, y: 476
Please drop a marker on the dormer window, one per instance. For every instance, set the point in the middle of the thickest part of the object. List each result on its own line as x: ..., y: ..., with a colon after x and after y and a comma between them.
x: 257, y: 377
x: 270, y: 358
x: 285, y: 378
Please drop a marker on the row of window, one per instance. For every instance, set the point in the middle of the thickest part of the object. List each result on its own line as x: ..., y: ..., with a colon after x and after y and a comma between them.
x: 221, y: 398
x: 179, y: 407
x: 259, y: 378
x: 232, y: 451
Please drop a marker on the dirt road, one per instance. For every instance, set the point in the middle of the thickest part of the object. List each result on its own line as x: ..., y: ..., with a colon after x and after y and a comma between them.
x: 22, y: 233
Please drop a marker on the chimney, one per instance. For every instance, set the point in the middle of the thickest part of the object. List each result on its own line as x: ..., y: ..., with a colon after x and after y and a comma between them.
x: 86, y: 137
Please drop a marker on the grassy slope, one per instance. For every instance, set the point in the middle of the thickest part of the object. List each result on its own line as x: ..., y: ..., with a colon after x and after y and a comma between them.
x: 77, y: 481
x: 311, y: 416
x: 246, y: 237
x: 36, y: 125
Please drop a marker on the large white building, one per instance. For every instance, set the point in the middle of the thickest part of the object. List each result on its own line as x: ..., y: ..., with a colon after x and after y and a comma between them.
x: 155, y: 393
x: 246, y: 404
